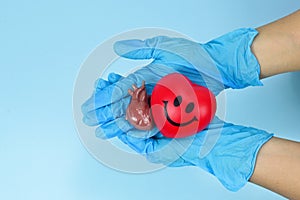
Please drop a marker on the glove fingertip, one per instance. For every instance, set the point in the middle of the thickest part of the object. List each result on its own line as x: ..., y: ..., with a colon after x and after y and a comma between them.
x: 100, y: 133
x: 114, y: 77
x: 89, y: 122
x: 133, y: 49
x: 125, y: 46
x: 101, y: 83
x: 85, y: 107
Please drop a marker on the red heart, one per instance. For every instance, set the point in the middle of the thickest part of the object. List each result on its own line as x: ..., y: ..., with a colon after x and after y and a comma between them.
x: 181, y: 108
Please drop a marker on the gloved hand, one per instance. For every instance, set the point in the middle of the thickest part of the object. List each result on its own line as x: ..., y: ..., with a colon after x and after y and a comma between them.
x: 224, y: 62
x: 225, y: 150
x: 227, y: 59
x: 221, y: 63
x: 107, y: 106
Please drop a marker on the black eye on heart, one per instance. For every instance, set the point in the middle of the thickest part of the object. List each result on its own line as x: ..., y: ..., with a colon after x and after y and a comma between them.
x: 189, y: 108
x: 178, y: 100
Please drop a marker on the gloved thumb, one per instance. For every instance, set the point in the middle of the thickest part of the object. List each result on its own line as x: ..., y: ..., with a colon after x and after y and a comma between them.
x: 139, y: 49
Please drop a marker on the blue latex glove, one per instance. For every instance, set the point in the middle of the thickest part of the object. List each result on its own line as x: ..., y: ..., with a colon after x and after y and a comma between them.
x: 230, y: 59
x: 221, y: 63
x: 224, y: 62
x: 231, y: 158
x: 107, y: 106
x: 225, y: 150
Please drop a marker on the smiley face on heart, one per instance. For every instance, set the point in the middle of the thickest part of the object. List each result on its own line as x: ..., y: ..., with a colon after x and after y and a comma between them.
x: 181, y: 108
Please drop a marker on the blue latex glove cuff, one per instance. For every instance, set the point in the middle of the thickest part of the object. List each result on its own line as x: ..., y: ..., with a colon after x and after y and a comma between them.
x: 233, y: 56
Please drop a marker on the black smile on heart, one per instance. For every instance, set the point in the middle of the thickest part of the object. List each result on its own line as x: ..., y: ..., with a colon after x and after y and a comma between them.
x: 175, y: 123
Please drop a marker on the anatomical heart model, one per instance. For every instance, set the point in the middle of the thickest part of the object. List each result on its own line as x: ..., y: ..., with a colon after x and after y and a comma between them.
x: 138, y: 111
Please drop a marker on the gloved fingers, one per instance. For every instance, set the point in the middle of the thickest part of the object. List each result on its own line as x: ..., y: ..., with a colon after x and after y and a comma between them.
x: 146, y: 145
x: 150, y: 74
x: 106, y: 113
x: 156, y: 47
x: 169, y: 151
x: 106, y: 96
x: 112, y: 99
x: 100, y: 98
x: 161, y: 150
x: 100, y: 84
x: 113, y: 128
x: 119, y: 125
x: 119, y: 90
x: 114, y: 77
x: 137, y: 49
x: 112, y: 111
x: 140, y: 145
x: 163, y: 49
x: 169, y: 51
x: 167, y: 160
x: 152, y: 145
x: 90, y: 104
x: 143, y: 134
x: 90, y: 118
x: 181, y: 54
x: 93, y: 112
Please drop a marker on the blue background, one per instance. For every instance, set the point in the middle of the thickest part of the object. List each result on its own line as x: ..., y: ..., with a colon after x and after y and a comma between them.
x: 42, y: 45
